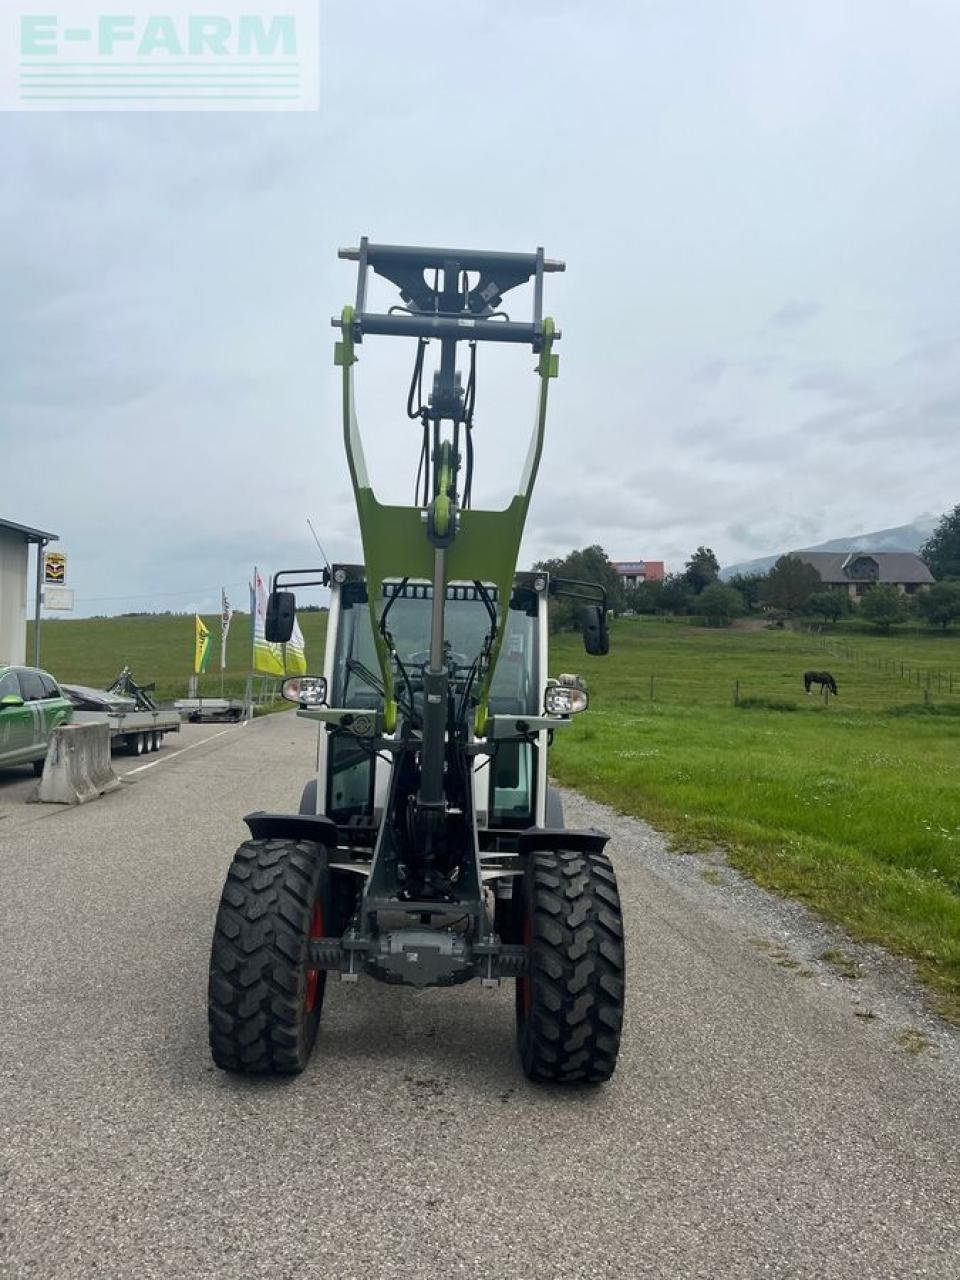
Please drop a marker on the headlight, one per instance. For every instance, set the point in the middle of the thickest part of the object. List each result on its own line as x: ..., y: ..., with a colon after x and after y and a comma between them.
x: 564, y: 700
x: 308, y: 691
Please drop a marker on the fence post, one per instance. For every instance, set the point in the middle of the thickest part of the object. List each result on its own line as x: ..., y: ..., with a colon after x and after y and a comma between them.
x: 736, y: 693
x: 652, y: 679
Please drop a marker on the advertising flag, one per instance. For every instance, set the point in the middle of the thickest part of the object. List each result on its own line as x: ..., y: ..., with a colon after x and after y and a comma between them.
x: 226, y: 614
x: 295, y: 652
x: 267, y: 657
x: 201, y: 647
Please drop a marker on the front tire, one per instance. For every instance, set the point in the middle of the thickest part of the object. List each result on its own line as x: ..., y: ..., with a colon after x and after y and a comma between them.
x: 570, y: 1005
x: 264, y: 999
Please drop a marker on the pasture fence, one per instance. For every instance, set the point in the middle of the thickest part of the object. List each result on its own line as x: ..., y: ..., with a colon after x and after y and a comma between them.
x: 926, y: 678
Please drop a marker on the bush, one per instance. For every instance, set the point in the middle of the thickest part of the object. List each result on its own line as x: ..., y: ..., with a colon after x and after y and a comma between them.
x: 829, y: 605
x: 939, y: 604
x: 884, y: 605
x: 719, y: 604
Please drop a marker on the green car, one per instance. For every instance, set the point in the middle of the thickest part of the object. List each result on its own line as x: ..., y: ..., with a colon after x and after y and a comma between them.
x: 31, y: 707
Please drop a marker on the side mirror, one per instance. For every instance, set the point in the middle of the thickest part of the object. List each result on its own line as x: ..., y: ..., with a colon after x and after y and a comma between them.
x: 596, y: 637
x: 281, y: 609
x: 10, y: 700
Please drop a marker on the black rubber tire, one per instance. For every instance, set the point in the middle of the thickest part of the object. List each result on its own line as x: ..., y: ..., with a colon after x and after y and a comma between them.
x: 570, y: 1006
x: 38, y: 767
x: 257, y: 997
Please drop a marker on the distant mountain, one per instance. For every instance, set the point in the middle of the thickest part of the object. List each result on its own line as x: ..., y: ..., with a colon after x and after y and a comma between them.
x: 906, y: 537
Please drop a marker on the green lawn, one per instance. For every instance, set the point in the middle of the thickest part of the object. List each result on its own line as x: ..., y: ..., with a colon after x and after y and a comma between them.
x: 92, y: 650
x: 853, y: 807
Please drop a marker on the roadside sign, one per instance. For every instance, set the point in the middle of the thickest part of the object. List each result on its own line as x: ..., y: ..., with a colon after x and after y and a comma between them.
x: 58, y: 598
x: 55, y: 569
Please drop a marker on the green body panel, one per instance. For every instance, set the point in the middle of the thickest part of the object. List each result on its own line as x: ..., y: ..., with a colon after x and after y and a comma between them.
x: 395, y: 541
x: 25, y: 730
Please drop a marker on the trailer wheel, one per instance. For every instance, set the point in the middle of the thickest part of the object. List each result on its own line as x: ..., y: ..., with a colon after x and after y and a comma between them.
x: 570, y: 1004
x: 136, y: 744
x: 264, y: 999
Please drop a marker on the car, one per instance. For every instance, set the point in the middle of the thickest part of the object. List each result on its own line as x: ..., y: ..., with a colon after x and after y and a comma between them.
x: 31, y: 707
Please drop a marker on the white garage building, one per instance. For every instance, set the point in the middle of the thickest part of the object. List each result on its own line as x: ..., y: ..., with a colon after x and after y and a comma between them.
x: 15, y: 542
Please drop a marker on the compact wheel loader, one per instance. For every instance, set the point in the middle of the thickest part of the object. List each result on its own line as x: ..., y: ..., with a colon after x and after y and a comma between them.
x: 430, y: 849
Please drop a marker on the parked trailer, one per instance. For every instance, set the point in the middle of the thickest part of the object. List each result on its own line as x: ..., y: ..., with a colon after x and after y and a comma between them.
x: 136, y: 732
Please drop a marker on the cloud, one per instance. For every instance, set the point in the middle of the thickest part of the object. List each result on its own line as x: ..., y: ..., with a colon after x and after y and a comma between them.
x: 833, y: 382
x: 795, y: 313
x: 168, y: 401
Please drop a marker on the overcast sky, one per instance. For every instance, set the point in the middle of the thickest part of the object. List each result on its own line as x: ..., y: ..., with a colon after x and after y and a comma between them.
x: 757, y: 201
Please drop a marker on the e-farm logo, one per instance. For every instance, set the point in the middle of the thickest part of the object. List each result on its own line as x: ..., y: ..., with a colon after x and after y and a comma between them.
x: 178, y: 55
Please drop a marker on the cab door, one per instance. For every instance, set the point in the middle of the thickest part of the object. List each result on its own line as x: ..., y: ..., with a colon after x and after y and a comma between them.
x: 18, y: 725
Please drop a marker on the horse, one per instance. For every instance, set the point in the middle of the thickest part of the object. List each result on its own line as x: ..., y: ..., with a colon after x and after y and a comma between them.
x: 823, y: 678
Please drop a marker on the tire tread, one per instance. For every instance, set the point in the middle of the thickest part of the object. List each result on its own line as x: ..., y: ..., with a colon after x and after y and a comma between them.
x: 258, y: 1024
x: 572, y: 1032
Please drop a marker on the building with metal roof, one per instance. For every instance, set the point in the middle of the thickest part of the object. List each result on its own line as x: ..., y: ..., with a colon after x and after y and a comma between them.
x: 15, y: 543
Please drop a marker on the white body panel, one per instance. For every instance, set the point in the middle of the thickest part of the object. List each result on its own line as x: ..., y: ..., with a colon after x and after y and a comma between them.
x: 13, y: 597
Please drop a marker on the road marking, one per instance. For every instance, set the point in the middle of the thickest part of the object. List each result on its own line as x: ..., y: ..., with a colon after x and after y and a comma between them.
x: 173, y: 755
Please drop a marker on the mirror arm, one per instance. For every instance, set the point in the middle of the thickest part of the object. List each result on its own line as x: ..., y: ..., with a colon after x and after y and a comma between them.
x: 590, y: 592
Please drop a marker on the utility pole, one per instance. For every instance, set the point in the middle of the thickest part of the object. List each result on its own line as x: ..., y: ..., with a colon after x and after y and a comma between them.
x: 41, y: 543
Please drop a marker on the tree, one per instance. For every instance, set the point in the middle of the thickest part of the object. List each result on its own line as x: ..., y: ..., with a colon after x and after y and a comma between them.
x: 884, y: 605
x: 647, y: 597
x: 941, y: 551
x: 701, y: 569
x: 590, y: 564
x: 790, y: 584
x: 829, y: 605
x: 940, y: 604
x: 719, y: 604
x: 750, y: 586
x: 675, y: 593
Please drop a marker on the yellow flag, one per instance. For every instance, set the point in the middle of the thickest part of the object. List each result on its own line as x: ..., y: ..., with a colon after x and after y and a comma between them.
x: 201, y: 648
x: 295, y: 652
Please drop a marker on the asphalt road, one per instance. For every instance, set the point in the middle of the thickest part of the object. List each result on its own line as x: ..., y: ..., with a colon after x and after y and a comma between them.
x: 759, y: 1125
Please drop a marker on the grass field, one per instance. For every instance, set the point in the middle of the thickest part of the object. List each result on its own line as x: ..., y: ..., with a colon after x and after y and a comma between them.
x: 853, y: 806
x: 92, y: 651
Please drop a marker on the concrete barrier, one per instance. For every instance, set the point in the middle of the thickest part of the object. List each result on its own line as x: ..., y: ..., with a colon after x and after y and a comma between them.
x: 78, y: 766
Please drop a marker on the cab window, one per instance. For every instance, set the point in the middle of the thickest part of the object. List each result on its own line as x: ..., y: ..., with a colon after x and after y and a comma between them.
x: 31, y: 687
x: 50, y: 689
x: 9, y: 684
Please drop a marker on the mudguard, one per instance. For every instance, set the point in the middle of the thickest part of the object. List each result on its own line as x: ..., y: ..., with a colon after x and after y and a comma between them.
x: 293, y: 826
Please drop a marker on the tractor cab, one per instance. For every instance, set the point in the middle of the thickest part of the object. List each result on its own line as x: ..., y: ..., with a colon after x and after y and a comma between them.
x: 506, y: 790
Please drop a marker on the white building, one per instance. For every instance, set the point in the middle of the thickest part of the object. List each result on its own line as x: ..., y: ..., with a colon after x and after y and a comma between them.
x: 15, y: 541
